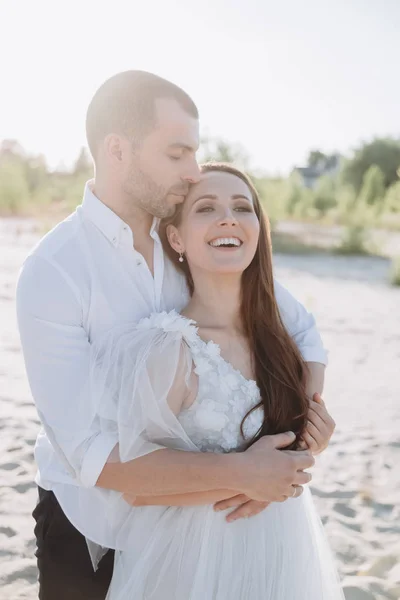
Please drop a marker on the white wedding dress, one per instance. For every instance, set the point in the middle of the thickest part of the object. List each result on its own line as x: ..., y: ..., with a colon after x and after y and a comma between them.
x: 192, y: 553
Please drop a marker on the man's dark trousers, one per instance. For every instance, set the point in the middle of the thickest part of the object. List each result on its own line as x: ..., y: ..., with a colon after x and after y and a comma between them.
x: 65, y: 568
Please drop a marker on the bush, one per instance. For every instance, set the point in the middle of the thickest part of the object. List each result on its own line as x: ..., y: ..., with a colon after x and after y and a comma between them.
x: 392, y: 199
x: 395, y: 271
x: 14, y: 191
x: 324, y: 195
x: 354, y: 240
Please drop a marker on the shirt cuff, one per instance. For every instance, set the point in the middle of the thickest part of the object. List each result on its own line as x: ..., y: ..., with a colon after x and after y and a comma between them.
x: 96, y: 457
x: 312, y: 354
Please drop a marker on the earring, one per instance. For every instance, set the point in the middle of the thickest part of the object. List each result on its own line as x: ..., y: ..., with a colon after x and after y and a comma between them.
x: 181, y: 259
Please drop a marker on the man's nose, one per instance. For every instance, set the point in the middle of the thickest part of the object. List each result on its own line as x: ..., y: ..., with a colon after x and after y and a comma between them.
x: 193, y: 176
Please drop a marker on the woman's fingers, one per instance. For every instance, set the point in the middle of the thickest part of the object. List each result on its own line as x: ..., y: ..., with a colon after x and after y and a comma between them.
x: 248, y: 509
x: 301, y: 478
x: 231, y: 502
x: 319, y: 408
x: 315, y: 432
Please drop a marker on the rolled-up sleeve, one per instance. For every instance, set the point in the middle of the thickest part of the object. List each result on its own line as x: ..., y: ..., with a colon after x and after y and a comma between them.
x: 56, y: 352
x: 300, y: 325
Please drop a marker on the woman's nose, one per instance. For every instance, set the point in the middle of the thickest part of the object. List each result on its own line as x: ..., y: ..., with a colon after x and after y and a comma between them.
x: 229, y: 218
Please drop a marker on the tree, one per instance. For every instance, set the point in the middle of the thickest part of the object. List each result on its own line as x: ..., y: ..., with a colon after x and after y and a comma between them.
x: 83, y: 164
x: 392, y: 198
x: 218, y: 150
x: 316, y: 157
x: 373, y: 187
x: 384, y: 153
x: 14, y: 191
x: 324, y: 194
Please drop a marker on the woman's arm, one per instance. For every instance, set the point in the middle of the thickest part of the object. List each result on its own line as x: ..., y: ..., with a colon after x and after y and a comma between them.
x: 188, y: 499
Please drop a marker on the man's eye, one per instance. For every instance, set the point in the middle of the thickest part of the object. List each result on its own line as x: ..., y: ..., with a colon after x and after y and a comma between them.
x: 175, y: 157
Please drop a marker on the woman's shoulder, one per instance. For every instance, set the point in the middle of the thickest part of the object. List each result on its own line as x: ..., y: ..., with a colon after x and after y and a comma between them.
x: 170, y: 323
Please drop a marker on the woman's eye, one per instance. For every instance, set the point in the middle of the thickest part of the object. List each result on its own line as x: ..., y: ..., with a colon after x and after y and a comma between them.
x: 244, y: 209
x: 175, y: 157
x: 205, y: 209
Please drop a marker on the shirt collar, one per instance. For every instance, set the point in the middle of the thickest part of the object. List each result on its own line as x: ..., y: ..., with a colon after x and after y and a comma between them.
x: 109, y: 223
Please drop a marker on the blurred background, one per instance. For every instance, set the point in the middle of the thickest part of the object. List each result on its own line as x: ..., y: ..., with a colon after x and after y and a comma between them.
x: 306, y: 97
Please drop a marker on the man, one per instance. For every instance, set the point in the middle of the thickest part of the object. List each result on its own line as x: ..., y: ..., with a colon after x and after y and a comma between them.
x: 105, y: 265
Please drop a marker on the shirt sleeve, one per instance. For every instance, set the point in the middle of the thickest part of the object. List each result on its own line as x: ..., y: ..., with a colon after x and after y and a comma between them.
x: 56, y: 351
x: 300, y: 324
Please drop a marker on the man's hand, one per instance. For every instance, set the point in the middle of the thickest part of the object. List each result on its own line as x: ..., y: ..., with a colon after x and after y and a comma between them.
x: 271, y: 474
x: 320, y: 427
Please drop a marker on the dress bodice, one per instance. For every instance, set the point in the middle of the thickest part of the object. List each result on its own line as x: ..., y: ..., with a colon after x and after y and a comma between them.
x: 223, y: 399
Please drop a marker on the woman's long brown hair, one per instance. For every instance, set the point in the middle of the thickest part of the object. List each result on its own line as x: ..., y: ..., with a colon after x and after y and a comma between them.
x: 278, y: 366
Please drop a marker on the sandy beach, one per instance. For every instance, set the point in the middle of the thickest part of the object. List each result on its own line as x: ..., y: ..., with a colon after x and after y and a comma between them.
x: 356, y: 482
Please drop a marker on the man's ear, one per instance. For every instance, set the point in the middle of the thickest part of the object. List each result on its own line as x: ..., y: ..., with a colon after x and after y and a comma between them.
x: 113, y: 147
x: 174, y: 238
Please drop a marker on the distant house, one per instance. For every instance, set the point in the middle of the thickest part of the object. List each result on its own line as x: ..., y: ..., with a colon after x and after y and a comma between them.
x: 327, y: 165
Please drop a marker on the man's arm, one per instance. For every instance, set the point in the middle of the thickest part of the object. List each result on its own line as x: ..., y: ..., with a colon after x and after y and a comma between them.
x: 300, y: 324
x: 188, y: 499
x: 56, y: 351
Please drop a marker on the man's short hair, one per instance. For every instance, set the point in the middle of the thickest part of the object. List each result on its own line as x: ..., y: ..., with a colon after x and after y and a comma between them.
x: 125, y: 104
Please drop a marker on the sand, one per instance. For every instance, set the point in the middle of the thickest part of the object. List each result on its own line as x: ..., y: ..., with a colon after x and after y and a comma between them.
x: 356, y: 482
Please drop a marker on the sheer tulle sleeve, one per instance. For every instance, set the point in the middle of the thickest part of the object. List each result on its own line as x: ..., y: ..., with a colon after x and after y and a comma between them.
x: 139, y: 376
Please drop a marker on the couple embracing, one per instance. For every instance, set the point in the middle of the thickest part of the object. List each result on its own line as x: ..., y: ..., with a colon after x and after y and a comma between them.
x: 178, y: 384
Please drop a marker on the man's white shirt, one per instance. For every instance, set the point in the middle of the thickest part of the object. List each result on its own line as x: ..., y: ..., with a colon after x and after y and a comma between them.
x: 83, y: 278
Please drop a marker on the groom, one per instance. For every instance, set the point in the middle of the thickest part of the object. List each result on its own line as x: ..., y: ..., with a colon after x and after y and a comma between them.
x: 102, y: 266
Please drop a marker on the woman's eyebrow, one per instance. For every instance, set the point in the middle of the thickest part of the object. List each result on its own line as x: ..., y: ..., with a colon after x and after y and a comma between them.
x: 214, y: 197
x: 205, y: 196
x: 241, y: 197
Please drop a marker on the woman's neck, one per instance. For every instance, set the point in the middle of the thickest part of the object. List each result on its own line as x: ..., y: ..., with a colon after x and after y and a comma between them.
x: 216, y: 301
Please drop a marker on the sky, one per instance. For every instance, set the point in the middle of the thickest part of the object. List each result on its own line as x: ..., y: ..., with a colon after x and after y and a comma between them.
x: 278, y: 77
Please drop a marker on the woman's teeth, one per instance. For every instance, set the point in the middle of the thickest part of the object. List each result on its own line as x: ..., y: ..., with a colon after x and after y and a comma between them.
x: 225, y: 242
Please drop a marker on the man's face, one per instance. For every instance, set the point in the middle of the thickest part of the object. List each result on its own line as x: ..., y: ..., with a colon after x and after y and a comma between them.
x: 164, y: 163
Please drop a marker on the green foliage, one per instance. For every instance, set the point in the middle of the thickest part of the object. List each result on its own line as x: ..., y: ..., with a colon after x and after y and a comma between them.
x: 26, y: 185
x: 373, y: 187
x: 14, y: 190
x: 384, y: 153
x: 354, y: 240
x: 325, y: 195
x: 395, y: 271
x: 83, y: 164
x: 315, y: 157
x: 392, y: 199
x: 346, y: 202
x: 218, y: 150
x: 273, y: 193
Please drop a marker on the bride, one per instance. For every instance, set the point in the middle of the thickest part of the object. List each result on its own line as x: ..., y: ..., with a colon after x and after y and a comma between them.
x: 214, y: 379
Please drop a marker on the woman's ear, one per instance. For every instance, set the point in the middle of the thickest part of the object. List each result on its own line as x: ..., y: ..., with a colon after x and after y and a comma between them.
x: 174, y: 239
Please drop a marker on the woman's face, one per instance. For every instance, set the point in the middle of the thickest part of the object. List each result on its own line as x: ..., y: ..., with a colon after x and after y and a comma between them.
x: 219, y: 229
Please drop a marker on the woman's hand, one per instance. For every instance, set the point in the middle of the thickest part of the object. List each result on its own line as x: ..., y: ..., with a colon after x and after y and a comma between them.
x: 245, y: 507
x: 320, y: 427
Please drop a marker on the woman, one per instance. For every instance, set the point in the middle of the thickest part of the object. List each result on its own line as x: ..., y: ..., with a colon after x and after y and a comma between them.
x: 213, y: 379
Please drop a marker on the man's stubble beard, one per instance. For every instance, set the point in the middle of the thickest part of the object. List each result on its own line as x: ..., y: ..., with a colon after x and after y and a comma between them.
x: 147, y: 195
